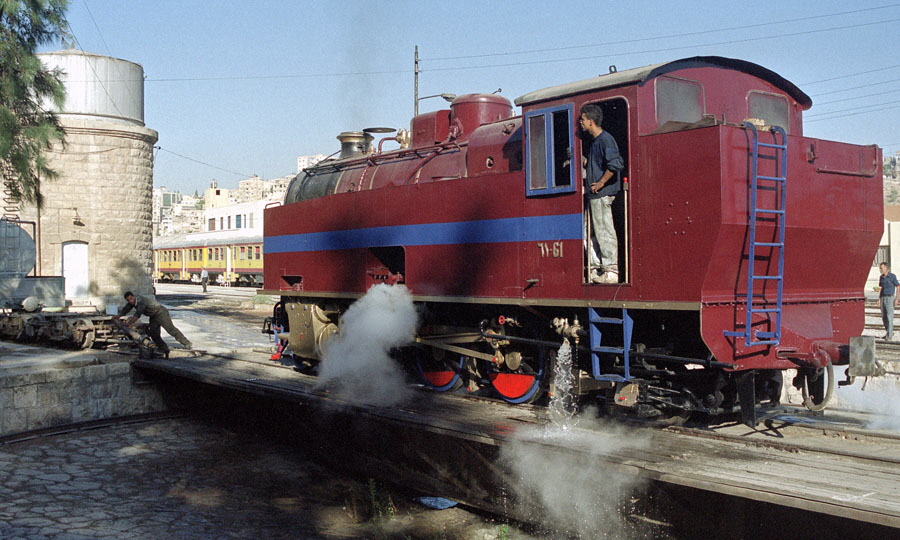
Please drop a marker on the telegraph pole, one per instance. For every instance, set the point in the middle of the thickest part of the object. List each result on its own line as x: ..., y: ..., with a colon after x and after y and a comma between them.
x: 416, y: 83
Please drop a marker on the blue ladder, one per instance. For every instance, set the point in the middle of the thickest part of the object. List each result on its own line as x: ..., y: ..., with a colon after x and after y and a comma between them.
x: 627, y: 323
x: 757, y: 302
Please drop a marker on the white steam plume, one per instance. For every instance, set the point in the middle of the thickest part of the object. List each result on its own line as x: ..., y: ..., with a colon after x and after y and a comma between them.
x: 356, y: 364
x: 578, y: 494
x: 880, y: 399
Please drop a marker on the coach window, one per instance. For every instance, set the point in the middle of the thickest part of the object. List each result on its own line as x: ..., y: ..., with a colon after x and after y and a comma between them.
x: 772, y: 108
x: 548, y: 151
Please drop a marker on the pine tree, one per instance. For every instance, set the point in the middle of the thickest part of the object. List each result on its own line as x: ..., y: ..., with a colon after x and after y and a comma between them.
x: 26, y: 88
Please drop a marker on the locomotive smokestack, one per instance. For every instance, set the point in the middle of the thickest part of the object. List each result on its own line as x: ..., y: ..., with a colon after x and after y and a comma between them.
x: 354, y: 143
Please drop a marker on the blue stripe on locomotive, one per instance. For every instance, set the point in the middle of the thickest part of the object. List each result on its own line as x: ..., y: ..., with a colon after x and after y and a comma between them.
x: 486, y: 231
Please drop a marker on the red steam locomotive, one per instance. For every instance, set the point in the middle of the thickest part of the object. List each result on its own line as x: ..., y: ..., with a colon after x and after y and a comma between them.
x: 743, y: 245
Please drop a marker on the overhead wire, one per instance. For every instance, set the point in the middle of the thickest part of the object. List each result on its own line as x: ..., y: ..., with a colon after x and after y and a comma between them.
x: 667, y: 49
x: 820, y: 103
x: 670, y: 36
x: 815, y: 115
x: 847, y: 89
x: 812, y: 118
x: 569, y: 59
x: 851, y: 75
x: 128, y: 89
x: 292, y: 76
x: 93, y: 70
x: 99, y: 33
x: 159, y: 148
x: 816, y: 118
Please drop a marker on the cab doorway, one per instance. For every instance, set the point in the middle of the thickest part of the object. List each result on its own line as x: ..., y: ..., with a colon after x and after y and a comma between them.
x: 615, y: 122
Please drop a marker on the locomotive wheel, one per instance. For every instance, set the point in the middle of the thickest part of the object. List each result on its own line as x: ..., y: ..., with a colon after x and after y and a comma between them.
x: 520, y: 380
x: 437, y: 371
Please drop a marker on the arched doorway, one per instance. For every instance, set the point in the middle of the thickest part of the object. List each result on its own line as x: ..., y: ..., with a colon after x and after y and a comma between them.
x: 75, y: 268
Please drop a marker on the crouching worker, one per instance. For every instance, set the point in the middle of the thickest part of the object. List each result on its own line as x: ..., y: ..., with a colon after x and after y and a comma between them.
x: 159, y: 317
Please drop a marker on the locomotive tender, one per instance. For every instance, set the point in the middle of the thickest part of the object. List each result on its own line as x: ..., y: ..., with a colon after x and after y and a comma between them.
x: 743, y: 244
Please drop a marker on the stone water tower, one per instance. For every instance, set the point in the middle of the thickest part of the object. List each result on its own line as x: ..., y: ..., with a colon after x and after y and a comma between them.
x: 95, y: 226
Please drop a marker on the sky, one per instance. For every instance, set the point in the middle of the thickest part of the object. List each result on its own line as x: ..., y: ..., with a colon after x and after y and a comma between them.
x: 241, y: 88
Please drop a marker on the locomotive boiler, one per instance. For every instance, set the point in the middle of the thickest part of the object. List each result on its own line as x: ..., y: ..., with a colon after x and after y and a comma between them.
x: 743, y: 244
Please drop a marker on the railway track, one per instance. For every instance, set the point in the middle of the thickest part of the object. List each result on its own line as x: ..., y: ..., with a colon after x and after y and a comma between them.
x: 795, y: 431
x: 88, y: 425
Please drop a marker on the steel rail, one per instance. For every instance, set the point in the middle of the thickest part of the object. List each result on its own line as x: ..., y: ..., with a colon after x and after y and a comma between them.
x: 86, y: 425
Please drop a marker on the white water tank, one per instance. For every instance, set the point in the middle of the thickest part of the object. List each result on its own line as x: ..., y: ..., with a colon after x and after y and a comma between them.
x: 100, y: 87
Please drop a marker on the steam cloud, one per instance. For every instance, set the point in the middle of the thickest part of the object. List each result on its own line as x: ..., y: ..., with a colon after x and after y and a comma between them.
x: 356, y: 364
x: 581, y: 495
x: 880, y: 399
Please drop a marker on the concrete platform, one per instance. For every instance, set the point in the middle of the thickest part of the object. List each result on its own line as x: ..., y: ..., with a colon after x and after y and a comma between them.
x: 483, y: 453
x: 19, y: 358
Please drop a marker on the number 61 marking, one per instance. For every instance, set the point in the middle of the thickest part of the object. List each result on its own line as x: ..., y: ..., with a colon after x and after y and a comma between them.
x: 551, y: 250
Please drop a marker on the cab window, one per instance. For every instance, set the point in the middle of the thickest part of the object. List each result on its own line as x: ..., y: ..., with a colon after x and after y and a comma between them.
x: 548, y: 151
x: 678, y: 100
x: 772, y: 108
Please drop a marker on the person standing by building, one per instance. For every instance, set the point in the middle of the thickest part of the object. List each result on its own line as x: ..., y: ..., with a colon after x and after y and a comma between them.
x: 601, y: 179
x: 887, y: 285
x: 159, y: 318
x: 204, y: 278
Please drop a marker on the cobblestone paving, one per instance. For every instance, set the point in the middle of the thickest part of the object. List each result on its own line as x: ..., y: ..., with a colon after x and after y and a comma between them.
x: 214, y: 333
x: 188, y: 480
x: 168, y: 479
